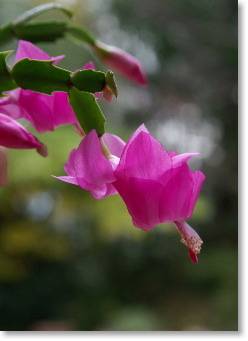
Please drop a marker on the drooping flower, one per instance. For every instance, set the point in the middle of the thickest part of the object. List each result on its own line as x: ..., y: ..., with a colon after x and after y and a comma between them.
x: 45, y: 112
x: 122, y: 62
x: 14, y: 135
x: 88, y: 168
x: 158, y: 186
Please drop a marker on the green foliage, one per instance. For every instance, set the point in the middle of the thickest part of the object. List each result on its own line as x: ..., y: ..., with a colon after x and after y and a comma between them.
x: 40, y: 76
x: 88, y: 112
x: 111, y: 83
x: 89, y: 80
x: 6, y: 83
x: 41, y: 31
x: 36, y: 11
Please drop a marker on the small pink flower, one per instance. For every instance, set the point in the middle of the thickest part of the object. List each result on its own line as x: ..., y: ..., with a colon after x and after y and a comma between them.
x: 89, y: 169
x: 14, y: 135
x: 45, y: 112
x: 122, y: 62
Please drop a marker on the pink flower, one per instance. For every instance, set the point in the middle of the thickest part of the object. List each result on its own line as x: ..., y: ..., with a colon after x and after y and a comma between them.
x: 14, y: 135
x: 45, y: 112
x: 89, y: 169
x: 122, y: 62
x: 158, y: 186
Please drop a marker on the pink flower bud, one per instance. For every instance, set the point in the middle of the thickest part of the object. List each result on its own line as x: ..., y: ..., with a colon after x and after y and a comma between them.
x: 121, y: 61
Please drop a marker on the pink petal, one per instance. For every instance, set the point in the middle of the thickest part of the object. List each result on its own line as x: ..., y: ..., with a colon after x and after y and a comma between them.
x: 62, y: 110
x: 144, y: 157
x: 175, y: 201
x: 14, y: 135
x: 68, y: 179
x: 26, y: 49
x: 142, y: 200
x: 114, y: 143
x: 93, y: 172
x: 9, y: 104
x: 198, y: 179
x: 179, y: 159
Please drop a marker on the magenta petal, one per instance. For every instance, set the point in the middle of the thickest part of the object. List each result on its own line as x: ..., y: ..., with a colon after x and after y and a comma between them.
x: 38, y: 109
x: 45, y: 112
x: 114, y: 143
x: 198, y: 179
x: 144, y: 157
x: 68, y: 179
x: 141, y: 198
x: 26, y: 49
x: 14, y: 135
x: 62, y: 110
x: 90, y: 168
x: 178, y: 160
x: 9, y: 104
x: 176, y: 195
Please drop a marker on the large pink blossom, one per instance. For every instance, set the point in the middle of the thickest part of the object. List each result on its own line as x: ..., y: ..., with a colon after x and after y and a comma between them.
x: 122, y: 62
x: 157, y: 186
x: 45, y: 112
x: 14, y: 135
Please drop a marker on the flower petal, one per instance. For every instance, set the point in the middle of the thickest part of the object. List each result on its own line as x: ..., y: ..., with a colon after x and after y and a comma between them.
x: 26, y: 49
x: 144, y: 157
x: 90, y: 168
x: 114, y: 143
x: 179, y: 159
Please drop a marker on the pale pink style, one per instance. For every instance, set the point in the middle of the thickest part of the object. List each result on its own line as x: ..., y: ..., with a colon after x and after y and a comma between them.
x: 122, y: 62
x: 45, y: 112
x: 14, y: 135
x: 157, y: 186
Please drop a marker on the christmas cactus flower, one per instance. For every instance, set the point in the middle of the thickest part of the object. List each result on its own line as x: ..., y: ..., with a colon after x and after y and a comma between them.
x: 14, y: 135
x: 45, y: 112
x: 122, y: 62
x: 157, y: 186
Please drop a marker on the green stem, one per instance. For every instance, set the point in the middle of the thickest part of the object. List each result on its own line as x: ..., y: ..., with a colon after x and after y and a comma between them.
x: 34, y: 12
x: 81, y: 34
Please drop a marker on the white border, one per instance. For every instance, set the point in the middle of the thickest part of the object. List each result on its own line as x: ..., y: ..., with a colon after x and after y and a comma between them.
x: 243, y: 232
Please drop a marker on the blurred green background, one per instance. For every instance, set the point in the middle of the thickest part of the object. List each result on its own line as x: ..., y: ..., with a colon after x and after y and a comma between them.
x: 68, y: 262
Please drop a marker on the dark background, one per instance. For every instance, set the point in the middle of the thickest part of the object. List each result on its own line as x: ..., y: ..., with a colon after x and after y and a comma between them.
x: 68, y: 262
